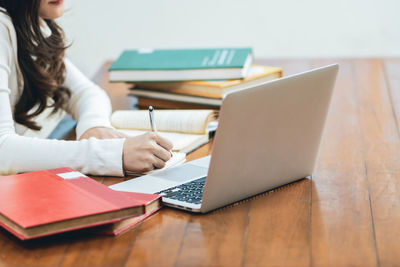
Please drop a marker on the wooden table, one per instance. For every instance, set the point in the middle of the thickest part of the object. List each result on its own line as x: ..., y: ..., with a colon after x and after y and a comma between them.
x: 347, y: 215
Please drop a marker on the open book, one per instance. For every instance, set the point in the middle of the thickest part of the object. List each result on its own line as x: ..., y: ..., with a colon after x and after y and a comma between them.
x: 186, y: 129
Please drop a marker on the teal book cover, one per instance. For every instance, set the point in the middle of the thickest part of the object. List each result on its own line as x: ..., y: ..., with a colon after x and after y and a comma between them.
x: 181, y: 59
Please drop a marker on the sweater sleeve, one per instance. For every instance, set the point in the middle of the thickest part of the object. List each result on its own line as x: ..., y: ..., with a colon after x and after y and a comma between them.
x: 22, y: 154
x: 89, y: 104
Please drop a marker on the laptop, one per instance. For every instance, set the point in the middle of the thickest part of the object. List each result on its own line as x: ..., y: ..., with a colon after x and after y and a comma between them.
x: 268, y: 136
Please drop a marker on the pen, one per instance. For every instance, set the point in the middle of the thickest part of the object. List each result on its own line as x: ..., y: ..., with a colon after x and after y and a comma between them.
x: 152, y: 121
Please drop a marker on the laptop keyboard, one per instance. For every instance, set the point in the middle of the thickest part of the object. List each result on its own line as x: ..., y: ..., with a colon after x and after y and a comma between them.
x: 190, y: 192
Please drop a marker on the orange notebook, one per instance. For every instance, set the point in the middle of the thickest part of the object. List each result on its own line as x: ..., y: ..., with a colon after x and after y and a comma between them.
x: 47, y: 202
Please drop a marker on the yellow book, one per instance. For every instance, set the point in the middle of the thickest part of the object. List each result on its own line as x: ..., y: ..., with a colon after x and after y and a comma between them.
x: 215, y: 89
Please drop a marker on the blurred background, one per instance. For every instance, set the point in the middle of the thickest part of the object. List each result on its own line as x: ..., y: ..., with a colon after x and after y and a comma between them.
x: 98, y: 30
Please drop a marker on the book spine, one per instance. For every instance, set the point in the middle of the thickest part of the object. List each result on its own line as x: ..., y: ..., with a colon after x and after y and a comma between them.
x: 175, y: 97
x: 141, y: 218
x: 211, y: 92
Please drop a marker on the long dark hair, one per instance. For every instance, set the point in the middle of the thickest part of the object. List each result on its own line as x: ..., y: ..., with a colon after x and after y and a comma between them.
x: 40, y: 59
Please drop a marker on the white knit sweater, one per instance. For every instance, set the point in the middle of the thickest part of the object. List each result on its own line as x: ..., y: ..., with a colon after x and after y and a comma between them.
x: 22, y: 149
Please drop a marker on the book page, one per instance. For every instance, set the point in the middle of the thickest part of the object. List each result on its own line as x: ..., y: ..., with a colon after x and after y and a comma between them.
x: 184, y: 121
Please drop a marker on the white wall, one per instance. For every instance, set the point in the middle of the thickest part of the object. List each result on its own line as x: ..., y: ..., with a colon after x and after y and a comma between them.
x: 101, y: 29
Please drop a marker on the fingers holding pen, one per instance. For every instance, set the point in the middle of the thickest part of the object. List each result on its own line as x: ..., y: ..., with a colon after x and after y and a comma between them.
x: 161, y: 147
x: 163, y: 142
x: 144, y: 153
x: 148, y: 151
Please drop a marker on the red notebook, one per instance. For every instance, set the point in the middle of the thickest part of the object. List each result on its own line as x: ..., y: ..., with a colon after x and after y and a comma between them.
x: 43, y: 203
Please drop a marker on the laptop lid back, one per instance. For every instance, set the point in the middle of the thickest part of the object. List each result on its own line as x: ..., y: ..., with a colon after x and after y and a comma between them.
x: 268, y: 136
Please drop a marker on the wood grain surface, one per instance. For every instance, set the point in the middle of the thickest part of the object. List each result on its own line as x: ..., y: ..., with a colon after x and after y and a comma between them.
x: 348, y: 214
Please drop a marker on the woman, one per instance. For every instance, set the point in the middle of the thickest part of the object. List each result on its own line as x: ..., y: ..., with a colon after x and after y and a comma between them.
x: 37, y: 85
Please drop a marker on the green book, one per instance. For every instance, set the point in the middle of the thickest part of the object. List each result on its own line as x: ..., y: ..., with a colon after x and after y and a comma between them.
x: 181, y: 64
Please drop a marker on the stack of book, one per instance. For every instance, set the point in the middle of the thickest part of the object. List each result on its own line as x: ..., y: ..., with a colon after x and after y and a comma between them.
x: 188, y: 78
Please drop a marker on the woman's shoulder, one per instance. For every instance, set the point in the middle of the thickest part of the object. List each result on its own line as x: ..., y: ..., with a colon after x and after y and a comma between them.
x: 8, y: 36
x: 6, y: 25
x: 8, y: 46
x: 5, y: 19
x: 6, y: 31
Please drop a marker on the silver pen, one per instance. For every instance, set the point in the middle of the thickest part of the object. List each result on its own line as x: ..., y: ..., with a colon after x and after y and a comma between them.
x: 152, y: 121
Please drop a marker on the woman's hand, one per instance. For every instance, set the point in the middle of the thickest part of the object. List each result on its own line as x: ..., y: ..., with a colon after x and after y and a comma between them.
x: 146, y: 152
x: 102, y: 133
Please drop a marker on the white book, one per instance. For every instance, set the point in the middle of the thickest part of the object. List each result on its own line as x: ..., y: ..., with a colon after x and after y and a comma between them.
x: 186, y: 129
